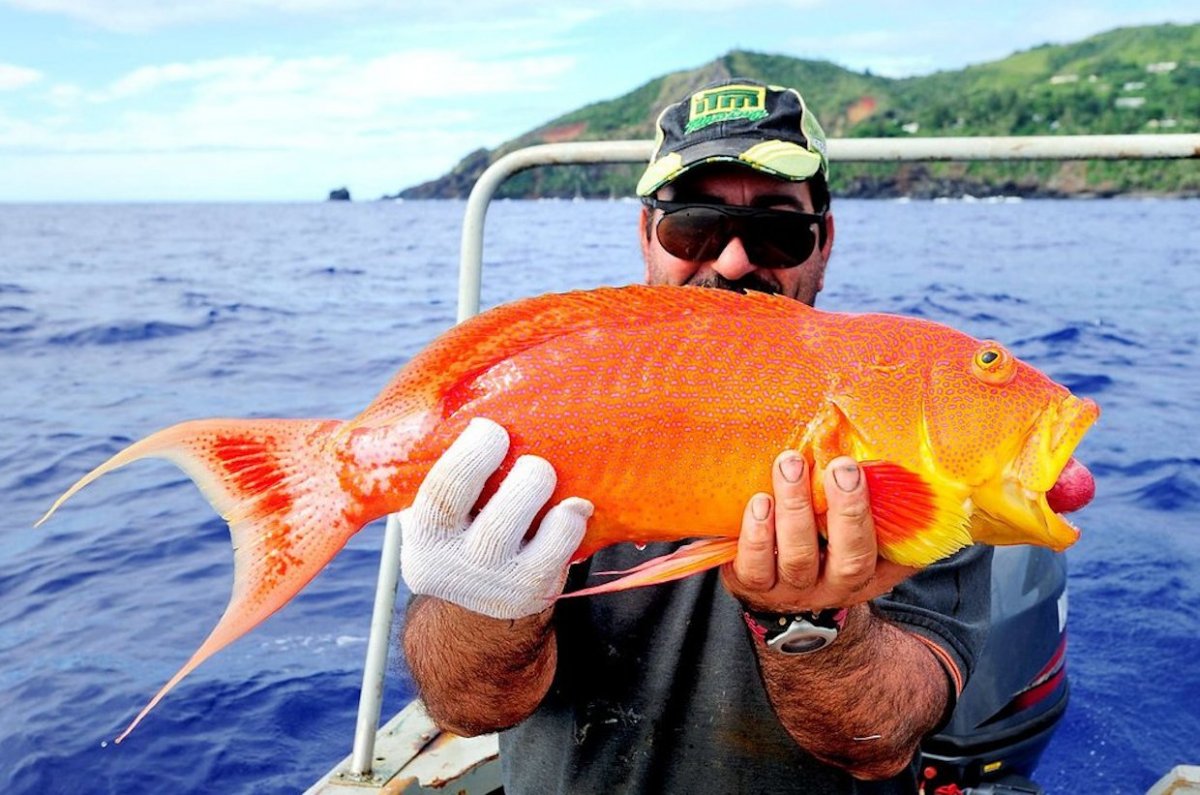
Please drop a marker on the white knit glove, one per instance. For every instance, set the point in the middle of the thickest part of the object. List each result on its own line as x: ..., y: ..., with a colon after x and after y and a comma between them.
x: 482, y: 565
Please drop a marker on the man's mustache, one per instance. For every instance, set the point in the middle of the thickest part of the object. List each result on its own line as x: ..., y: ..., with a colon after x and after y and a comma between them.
x: 751, y: 281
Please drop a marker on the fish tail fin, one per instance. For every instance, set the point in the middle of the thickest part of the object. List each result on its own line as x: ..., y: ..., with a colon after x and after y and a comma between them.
x: 279, y: 484
x: 145, y: 448
x: 221, y: 636
x: 916, y: 522
x: 691, y: 559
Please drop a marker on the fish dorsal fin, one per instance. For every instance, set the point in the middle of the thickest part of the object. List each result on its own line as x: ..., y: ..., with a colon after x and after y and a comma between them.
x: 481, y: 342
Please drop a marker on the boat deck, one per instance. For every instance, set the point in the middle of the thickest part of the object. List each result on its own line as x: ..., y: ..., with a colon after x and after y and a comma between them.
x: 412, y: 755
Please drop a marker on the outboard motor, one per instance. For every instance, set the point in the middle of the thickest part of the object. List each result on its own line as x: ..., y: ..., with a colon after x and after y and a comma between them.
x: 1011, y: 706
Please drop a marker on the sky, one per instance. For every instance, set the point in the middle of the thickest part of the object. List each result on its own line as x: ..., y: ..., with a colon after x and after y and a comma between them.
x: 284, y: 100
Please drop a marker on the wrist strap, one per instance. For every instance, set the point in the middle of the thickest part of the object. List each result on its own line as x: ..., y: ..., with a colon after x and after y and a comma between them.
x: 796, y: 633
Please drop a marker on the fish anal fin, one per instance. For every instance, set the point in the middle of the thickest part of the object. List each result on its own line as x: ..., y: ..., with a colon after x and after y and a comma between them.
x: 916, y: 522
x: 691, y: 559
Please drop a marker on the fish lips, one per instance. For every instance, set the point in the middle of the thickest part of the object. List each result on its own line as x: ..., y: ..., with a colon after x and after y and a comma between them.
x: 1052, y: 441
x: 1014, y: 508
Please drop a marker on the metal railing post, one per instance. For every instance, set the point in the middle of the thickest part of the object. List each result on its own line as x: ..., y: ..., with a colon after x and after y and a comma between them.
x: 470, y: 261
x: 370, y: 698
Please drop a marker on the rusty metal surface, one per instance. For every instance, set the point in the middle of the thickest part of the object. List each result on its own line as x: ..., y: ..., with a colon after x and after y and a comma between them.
x: 451, y: 764
x: 412, y: 755
x: 1182, y: 780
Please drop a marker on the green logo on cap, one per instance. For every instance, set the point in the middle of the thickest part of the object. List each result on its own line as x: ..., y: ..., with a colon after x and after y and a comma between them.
x: 726, y: 104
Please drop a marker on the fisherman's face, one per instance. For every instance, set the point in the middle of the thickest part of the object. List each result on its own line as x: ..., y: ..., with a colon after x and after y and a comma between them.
x: 732, y: 269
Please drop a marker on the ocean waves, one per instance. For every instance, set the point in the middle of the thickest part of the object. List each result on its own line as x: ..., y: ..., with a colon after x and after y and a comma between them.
x: 123, y: 333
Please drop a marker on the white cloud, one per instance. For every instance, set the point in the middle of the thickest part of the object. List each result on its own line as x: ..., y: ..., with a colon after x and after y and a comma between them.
x: 13, y: 77
x: 931, y: 37
x: 885, y: 52
x: 65, y: 95
x: 332, y: 104
x: 696, y: 7
x: 149, y: 15
x: 145, y: 15
x: 148, y: 79
x: 370, y: 168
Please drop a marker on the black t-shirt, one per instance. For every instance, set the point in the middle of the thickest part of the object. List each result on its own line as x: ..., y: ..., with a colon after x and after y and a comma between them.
x: 657, y: 689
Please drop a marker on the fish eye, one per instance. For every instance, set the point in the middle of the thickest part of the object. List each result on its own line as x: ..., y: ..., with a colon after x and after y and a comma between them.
x: 993, y: 364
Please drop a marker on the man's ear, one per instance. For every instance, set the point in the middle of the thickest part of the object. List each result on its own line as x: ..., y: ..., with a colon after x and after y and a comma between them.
x: 644, y: 229
x: 826, y: 250
x: 828, y: 247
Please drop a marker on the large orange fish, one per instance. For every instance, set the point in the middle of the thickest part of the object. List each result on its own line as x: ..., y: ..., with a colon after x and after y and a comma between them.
x: 664, y: 406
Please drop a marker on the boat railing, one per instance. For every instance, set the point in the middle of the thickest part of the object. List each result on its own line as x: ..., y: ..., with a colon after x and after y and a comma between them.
x: 878, y: 150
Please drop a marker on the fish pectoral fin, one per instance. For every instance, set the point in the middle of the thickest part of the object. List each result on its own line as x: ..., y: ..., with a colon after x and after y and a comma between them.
x: 691, y: 559
x: 827, y: 435
x: 916, y: 522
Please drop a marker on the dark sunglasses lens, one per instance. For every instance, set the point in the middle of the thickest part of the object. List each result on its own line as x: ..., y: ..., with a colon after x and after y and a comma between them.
x: 775, y: 242
x: 701, y: 234
x: 694, y: 233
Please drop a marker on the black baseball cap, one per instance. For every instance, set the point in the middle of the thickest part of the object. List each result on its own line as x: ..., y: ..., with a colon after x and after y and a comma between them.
x: 768, y: 128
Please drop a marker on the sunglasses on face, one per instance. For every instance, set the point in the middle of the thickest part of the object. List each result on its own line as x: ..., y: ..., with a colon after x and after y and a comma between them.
x: 772, y: 238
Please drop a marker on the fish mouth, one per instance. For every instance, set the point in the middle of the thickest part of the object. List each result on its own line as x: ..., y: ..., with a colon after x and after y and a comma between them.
x: 1025, y: 503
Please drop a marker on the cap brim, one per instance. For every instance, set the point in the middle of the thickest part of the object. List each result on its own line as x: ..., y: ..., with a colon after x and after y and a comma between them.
x: 782, y: 159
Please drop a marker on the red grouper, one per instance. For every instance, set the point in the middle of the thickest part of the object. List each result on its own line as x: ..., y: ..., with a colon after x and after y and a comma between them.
x: 665, y: 407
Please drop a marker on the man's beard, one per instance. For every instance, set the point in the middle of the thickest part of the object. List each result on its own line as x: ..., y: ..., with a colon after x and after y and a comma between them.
x: 751, y: 281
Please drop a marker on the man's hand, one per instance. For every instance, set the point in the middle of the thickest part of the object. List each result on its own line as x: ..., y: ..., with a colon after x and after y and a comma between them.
x: 781, y: 566
x: 483, y: 564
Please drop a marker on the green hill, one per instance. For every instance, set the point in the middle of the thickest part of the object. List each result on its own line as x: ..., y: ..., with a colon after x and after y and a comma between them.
x: 1130, y: 80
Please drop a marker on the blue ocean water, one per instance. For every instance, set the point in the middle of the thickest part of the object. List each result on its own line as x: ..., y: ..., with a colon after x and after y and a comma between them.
x: 116, y: 320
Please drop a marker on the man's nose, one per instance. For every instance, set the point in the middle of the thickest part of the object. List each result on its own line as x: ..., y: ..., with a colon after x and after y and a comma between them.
x: 734, y: 262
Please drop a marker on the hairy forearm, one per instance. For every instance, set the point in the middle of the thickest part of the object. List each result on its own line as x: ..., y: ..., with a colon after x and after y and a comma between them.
x: 862, y: 704
x: 478, y: 674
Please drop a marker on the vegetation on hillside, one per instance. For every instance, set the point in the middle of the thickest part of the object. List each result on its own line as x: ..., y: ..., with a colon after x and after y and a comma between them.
x: 1130, y: 80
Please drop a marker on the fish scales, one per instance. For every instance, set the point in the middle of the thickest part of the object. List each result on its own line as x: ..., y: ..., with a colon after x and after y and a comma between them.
x: 664, y: 407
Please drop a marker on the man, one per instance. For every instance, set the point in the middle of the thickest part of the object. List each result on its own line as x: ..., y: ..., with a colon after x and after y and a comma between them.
x: 802, y: 666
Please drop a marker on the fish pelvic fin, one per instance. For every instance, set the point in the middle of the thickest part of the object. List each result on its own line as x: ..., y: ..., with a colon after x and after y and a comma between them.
x: 280, y: 485
x: 690, y: 559
x: 916, y: 522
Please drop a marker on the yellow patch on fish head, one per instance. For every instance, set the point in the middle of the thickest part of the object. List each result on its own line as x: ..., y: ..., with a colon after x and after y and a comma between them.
x: 1006, y: 431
